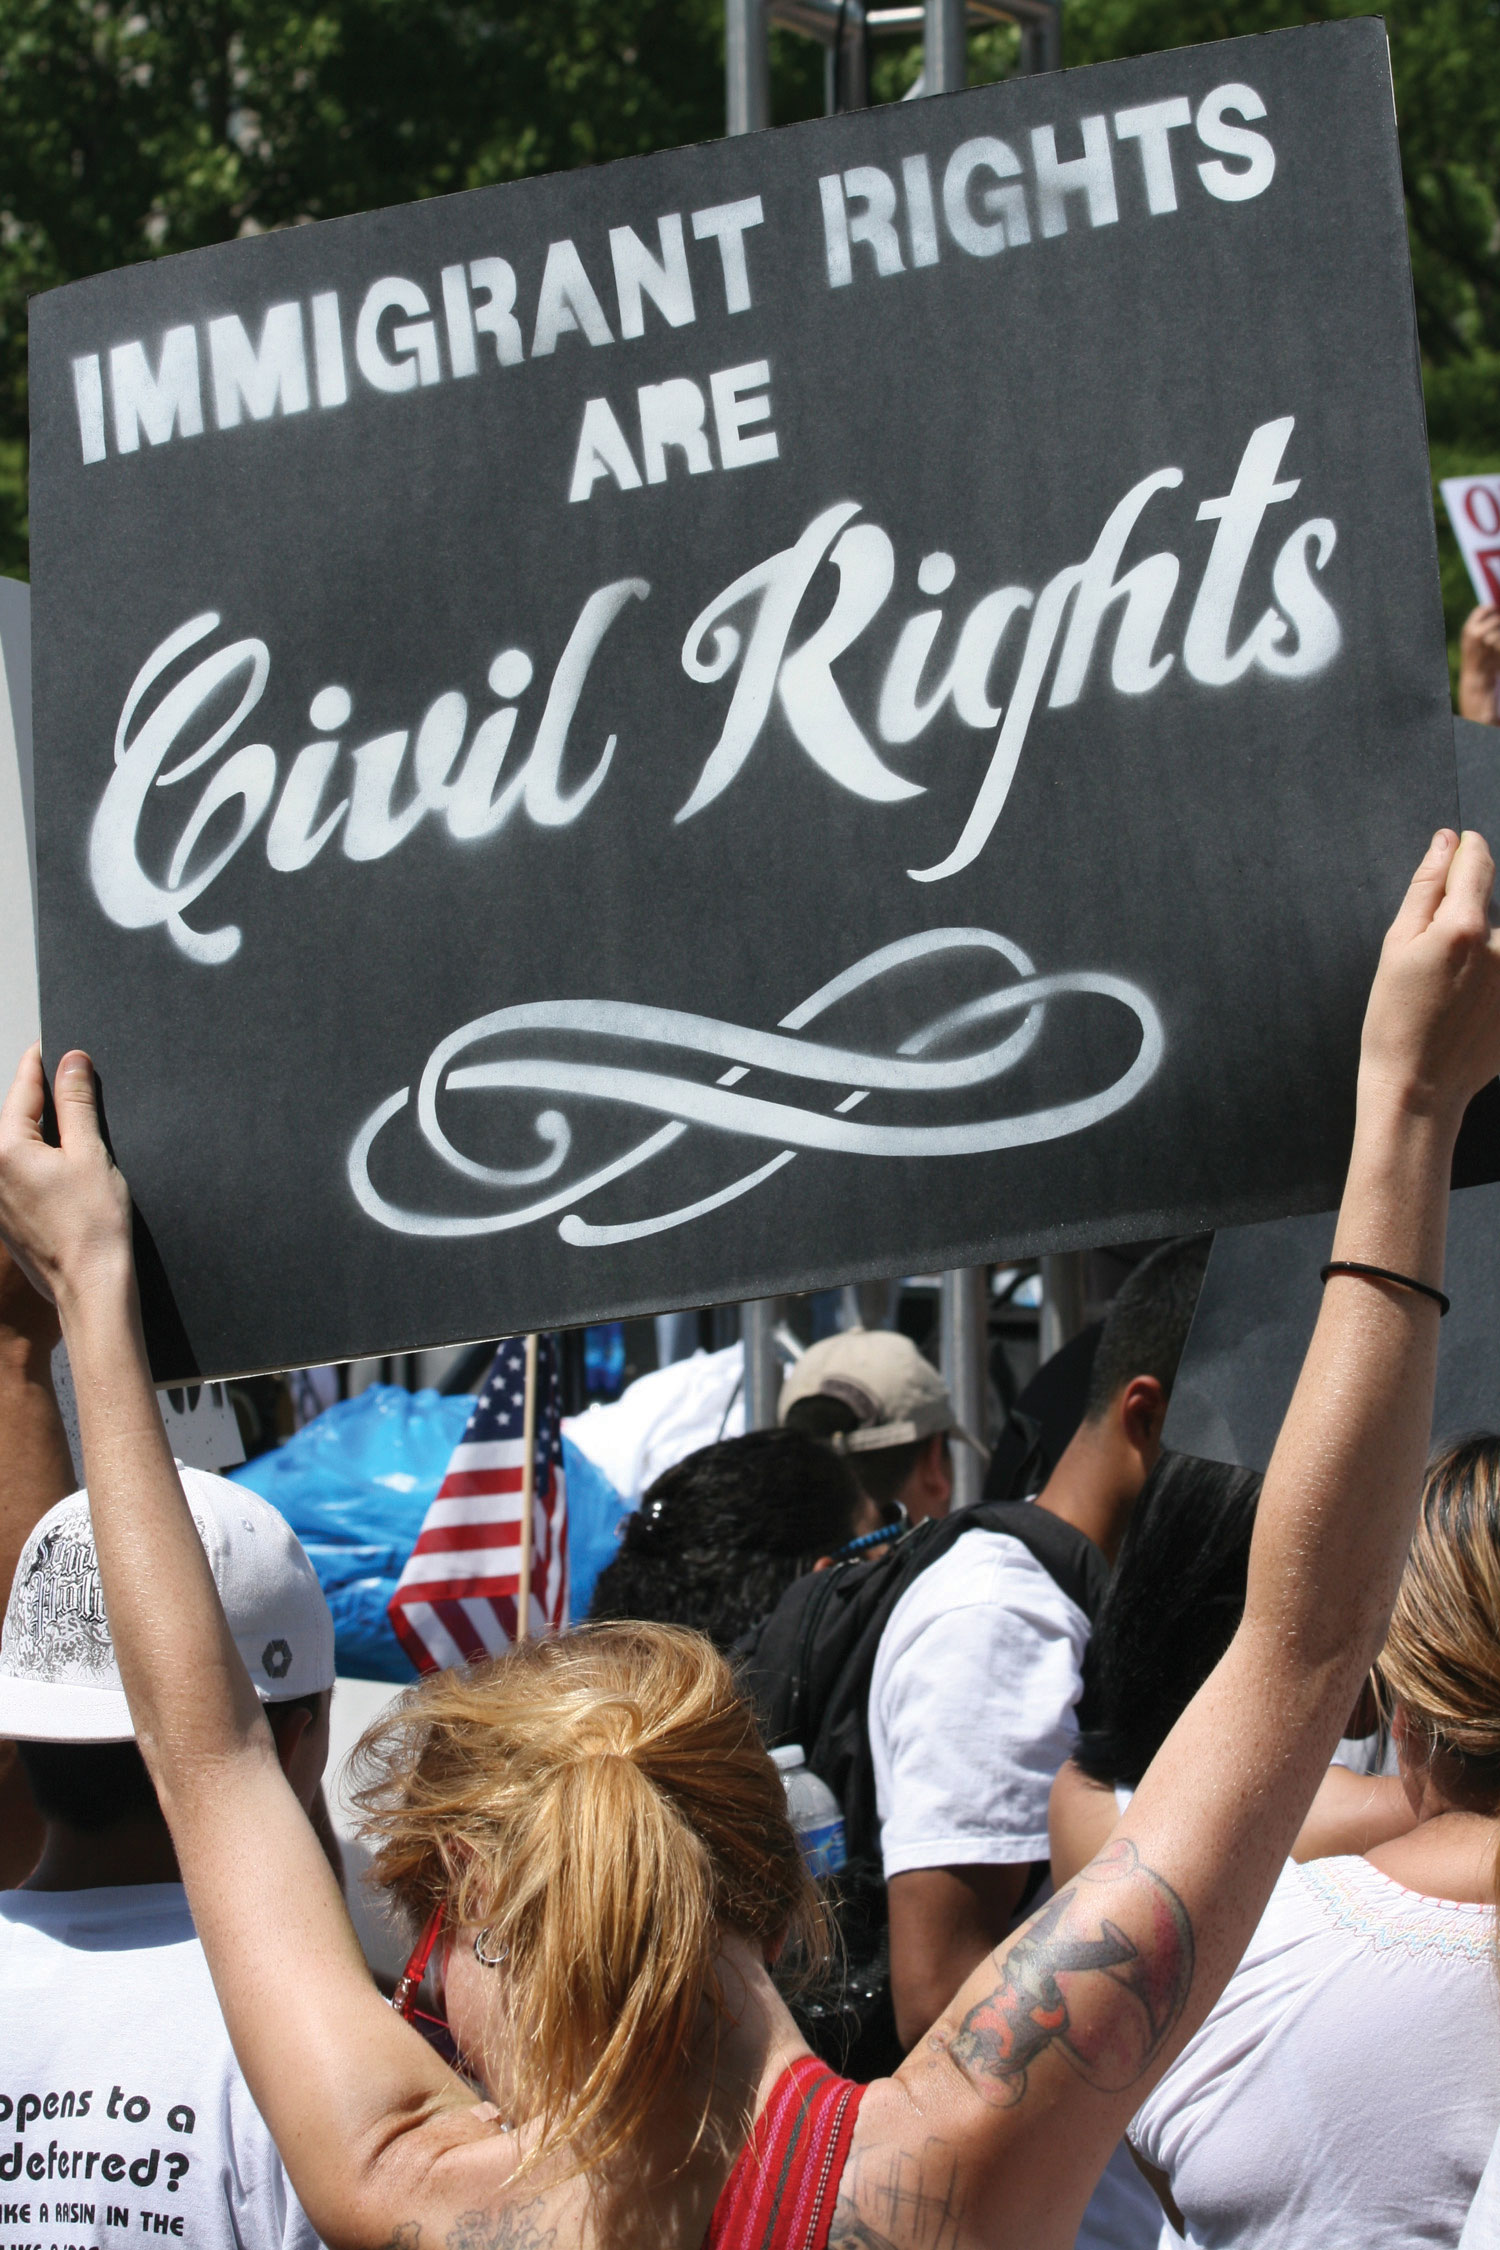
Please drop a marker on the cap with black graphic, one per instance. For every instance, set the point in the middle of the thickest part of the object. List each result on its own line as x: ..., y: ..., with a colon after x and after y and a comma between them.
x: 59, y: 1681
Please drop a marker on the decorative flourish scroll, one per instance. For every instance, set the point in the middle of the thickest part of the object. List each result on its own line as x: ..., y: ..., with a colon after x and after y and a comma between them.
x: 610, y: 1071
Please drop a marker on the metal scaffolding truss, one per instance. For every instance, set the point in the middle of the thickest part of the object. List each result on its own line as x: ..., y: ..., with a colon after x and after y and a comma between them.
x: 821, y: 20
x: 844, y: 30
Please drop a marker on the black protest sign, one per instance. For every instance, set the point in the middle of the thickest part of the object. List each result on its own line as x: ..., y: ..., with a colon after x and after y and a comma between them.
x: 1260, y: 1297
x: 1255, y: 1319
x: 1476, y: 750
x: 850, y: 700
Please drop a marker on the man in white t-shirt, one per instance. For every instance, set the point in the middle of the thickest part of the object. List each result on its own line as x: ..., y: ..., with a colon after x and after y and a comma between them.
x: 980, y: 1667
x: 122, y: 2110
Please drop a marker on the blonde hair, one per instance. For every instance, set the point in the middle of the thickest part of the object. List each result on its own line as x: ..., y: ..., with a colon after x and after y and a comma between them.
x: 603, y: 1807
x: 1441, y: 1660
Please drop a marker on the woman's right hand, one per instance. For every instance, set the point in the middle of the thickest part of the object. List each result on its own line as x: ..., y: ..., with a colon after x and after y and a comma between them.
x: 64, y: 1211
x: 1432, y: 1027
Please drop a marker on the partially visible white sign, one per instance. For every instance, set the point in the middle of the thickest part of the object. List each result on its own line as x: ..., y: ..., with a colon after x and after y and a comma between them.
x: 1473, y: 505
x: 357, y: 1704
x: 20, y: 1011
x: 200, y: 1422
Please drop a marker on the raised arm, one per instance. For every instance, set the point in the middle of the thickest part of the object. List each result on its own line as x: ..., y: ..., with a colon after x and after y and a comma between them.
x: 396, y: 2141
x: 1034, y: 2070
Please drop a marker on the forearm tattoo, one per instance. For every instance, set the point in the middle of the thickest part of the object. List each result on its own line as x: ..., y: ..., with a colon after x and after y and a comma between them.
x: 896, y: 2199
x: 520, y: 2226
x: 1118, y: 1924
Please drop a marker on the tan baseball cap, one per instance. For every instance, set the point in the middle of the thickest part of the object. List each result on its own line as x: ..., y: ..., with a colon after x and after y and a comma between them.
x: 899, y: 1397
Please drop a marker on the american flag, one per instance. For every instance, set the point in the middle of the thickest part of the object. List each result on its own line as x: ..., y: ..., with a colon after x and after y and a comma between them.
x: 456, y: 1599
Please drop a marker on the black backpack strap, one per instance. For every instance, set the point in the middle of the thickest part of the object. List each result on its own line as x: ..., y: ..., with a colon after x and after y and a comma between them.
x: 1068, y: 1555
x: 839, y: 1616
x: 765, y: 1659
x: 833, y: 1698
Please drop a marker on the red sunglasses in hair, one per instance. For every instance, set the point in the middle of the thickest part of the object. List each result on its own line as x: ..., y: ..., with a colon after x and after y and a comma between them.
x: 434, y: 2029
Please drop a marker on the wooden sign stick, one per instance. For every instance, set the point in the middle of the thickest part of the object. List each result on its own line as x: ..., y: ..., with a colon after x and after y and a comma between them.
x: 528, y: 1494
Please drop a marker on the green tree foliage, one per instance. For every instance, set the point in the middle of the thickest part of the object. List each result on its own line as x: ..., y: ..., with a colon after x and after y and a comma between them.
x: 132, y: 128
x: 1445, y: 56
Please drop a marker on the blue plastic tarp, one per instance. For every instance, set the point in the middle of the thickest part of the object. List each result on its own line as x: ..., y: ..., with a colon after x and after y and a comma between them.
x: 355, y: 1485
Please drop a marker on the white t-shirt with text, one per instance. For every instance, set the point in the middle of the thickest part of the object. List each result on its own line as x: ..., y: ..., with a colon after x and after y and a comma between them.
x: 1357, y: 2003
x: 123, y: 2114
x: 972, y: 1708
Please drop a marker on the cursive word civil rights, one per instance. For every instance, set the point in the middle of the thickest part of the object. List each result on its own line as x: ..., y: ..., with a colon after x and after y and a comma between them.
x: 767, y: 644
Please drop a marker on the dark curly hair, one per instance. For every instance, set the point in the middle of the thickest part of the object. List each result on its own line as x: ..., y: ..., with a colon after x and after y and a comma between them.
x: 719, y: 1538
x: 1177, y: 1594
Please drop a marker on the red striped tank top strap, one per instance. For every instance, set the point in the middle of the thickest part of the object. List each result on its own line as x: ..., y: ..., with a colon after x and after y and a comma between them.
x: 747, y: 2202
x: 782, y: 2191
x: 840, y: 2100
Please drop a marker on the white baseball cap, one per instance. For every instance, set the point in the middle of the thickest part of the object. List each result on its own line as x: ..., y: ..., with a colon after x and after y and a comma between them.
x: 59, y: 1681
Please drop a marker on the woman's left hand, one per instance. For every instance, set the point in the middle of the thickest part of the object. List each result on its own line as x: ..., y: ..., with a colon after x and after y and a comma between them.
x: 65, y: 1211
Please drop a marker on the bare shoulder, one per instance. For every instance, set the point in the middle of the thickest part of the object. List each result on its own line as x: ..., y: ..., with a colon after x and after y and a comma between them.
x: 523, y: 2225
x: 522, y: 2218
x: 448, y: 2184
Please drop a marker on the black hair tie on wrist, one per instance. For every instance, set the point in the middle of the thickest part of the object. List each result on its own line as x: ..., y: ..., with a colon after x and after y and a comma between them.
x: 1397, y: 1281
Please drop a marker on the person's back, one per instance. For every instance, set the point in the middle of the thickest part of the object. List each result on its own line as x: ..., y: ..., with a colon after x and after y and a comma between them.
x: 1367, y: 1994
x: 122, y: 2108
x: 1358, y: 2002
x: 134, y: 2116
x: 1482, y: 2226
x: 980, y: 1669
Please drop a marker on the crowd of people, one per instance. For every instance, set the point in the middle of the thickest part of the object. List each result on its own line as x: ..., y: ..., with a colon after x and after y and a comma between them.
x: 1171, y: 1794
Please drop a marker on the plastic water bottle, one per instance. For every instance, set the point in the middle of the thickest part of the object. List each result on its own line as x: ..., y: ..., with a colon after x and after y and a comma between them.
x: 813, y: 1810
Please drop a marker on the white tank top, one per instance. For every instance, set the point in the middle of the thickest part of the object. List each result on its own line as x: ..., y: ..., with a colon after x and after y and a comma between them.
x: 1357, y: 2003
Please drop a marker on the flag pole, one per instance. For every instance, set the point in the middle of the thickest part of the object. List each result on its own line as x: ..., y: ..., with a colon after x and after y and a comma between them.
x: 528, y: 1494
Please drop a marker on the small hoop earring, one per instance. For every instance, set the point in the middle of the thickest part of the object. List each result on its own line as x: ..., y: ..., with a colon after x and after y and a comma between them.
x: 489, y: 1960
